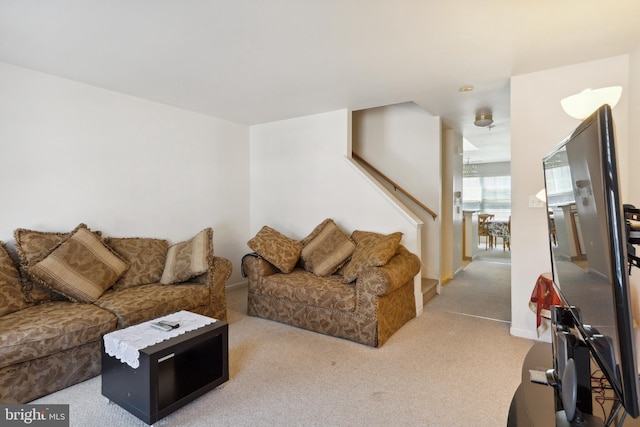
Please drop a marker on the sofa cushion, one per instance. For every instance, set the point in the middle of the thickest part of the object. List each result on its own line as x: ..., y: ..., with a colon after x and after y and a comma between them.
x: 306, y: 288
x: 81, y: 267
x: 32, y: 246
x: 11, y: 296
x: 48, y: 328
x: 146, y: 258
x: 372, y: 250
x: 140, y: 303
x: 275, y: 247
x: 327, y: 251
x: 189, y: 258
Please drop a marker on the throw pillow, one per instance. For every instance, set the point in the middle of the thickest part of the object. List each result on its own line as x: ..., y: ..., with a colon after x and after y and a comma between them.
x: 275, y: 247
x: 146, y: 258
x: 189, y: 258
x: 11, y: 297
x: 32, y: 246
x: 81, y: 267
x: 329, y: 249
x: 372, y: 250
x: 315, y: 232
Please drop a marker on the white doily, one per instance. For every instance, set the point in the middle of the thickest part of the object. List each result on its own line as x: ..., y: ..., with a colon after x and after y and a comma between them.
x: 125, y: 344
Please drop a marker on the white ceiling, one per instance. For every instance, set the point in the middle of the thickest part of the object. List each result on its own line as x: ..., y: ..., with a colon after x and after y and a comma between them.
x: 256, y: 61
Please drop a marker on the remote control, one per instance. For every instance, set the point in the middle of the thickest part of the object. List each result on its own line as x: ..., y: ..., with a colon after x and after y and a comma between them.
x: 173, y: 325
x: 161, y: 326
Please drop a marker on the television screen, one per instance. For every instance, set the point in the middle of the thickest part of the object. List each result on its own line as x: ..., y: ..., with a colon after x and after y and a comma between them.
x: 588, y: 248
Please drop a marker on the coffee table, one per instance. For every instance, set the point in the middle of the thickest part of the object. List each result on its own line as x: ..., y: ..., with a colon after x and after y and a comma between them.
x: 170, y: 374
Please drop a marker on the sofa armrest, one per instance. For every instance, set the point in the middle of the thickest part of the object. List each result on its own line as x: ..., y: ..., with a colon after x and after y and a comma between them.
x: 379, y: 281
x: 219, y: 272
x: 255, y: 268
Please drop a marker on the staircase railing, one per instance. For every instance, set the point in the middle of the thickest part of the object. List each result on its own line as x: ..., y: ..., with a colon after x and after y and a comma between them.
x: 395, y: 186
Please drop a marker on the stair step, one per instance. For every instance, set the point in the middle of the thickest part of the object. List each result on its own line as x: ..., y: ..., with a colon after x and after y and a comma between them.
x: 429, y: 289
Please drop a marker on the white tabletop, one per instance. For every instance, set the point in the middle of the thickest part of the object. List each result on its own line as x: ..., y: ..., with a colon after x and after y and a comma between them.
x: 125, y: 344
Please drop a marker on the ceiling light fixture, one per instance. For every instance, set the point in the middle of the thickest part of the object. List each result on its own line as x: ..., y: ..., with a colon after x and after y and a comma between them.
x: 469, y: 170
x: 467, y: 88
x: 483, y: 120
x: 581, y: 105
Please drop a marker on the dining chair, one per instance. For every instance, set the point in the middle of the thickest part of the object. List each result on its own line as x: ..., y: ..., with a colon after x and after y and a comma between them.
x: 483, y: 229
x: 500, y: 230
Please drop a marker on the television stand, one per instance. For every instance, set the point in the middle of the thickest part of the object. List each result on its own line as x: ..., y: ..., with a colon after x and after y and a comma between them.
x: 585, y: 420
x: 533, y: 404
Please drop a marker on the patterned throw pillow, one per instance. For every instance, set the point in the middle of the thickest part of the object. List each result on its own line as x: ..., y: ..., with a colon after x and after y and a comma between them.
x: 372, y: 250
x: 81, y: 267
x: 315, y: 232
x: 32, y: 246
x: 146, y: 258
x: 11, y: 296
x: 276, y: 248
x: 189, y: 258
x: 327, y: 251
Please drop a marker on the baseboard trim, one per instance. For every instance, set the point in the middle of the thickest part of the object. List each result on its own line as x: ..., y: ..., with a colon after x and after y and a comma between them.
x: 531, y: 335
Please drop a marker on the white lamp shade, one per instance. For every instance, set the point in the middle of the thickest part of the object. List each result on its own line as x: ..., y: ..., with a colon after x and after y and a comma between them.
x: 581, y: 105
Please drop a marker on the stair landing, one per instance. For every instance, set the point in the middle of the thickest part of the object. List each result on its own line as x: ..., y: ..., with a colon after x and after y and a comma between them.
x: 429, y: 289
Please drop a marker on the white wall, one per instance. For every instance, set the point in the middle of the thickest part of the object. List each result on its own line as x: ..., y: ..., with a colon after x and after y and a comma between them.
x: 403, y: 141
x: 633, y: 191
x: 75, y: 153
x: 634, y: 127
x: 301, y: 174
x: 452, y: 215
x: 538, y: 124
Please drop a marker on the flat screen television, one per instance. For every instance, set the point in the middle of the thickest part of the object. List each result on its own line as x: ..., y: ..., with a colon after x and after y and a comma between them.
x: 589, y: 252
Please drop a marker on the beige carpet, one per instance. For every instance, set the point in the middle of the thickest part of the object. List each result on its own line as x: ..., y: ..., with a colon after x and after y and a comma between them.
x: 441, y: 369
x: 482, y: 289
x: 496, y: 254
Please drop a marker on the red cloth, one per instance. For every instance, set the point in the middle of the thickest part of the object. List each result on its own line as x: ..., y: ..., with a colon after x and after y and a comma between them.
x: 543, y: 297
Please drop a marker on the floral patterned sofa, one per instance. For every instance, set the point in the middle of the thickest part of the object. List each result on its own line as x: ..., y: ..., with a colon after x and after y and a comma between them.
x: 358, y: 287
x: 62, y: 291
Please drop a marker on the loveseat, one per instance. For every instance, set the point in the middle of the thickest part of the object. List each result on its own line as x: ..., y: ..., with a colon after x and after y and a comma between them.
x: 60, y: 292
x: 358, y: 287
